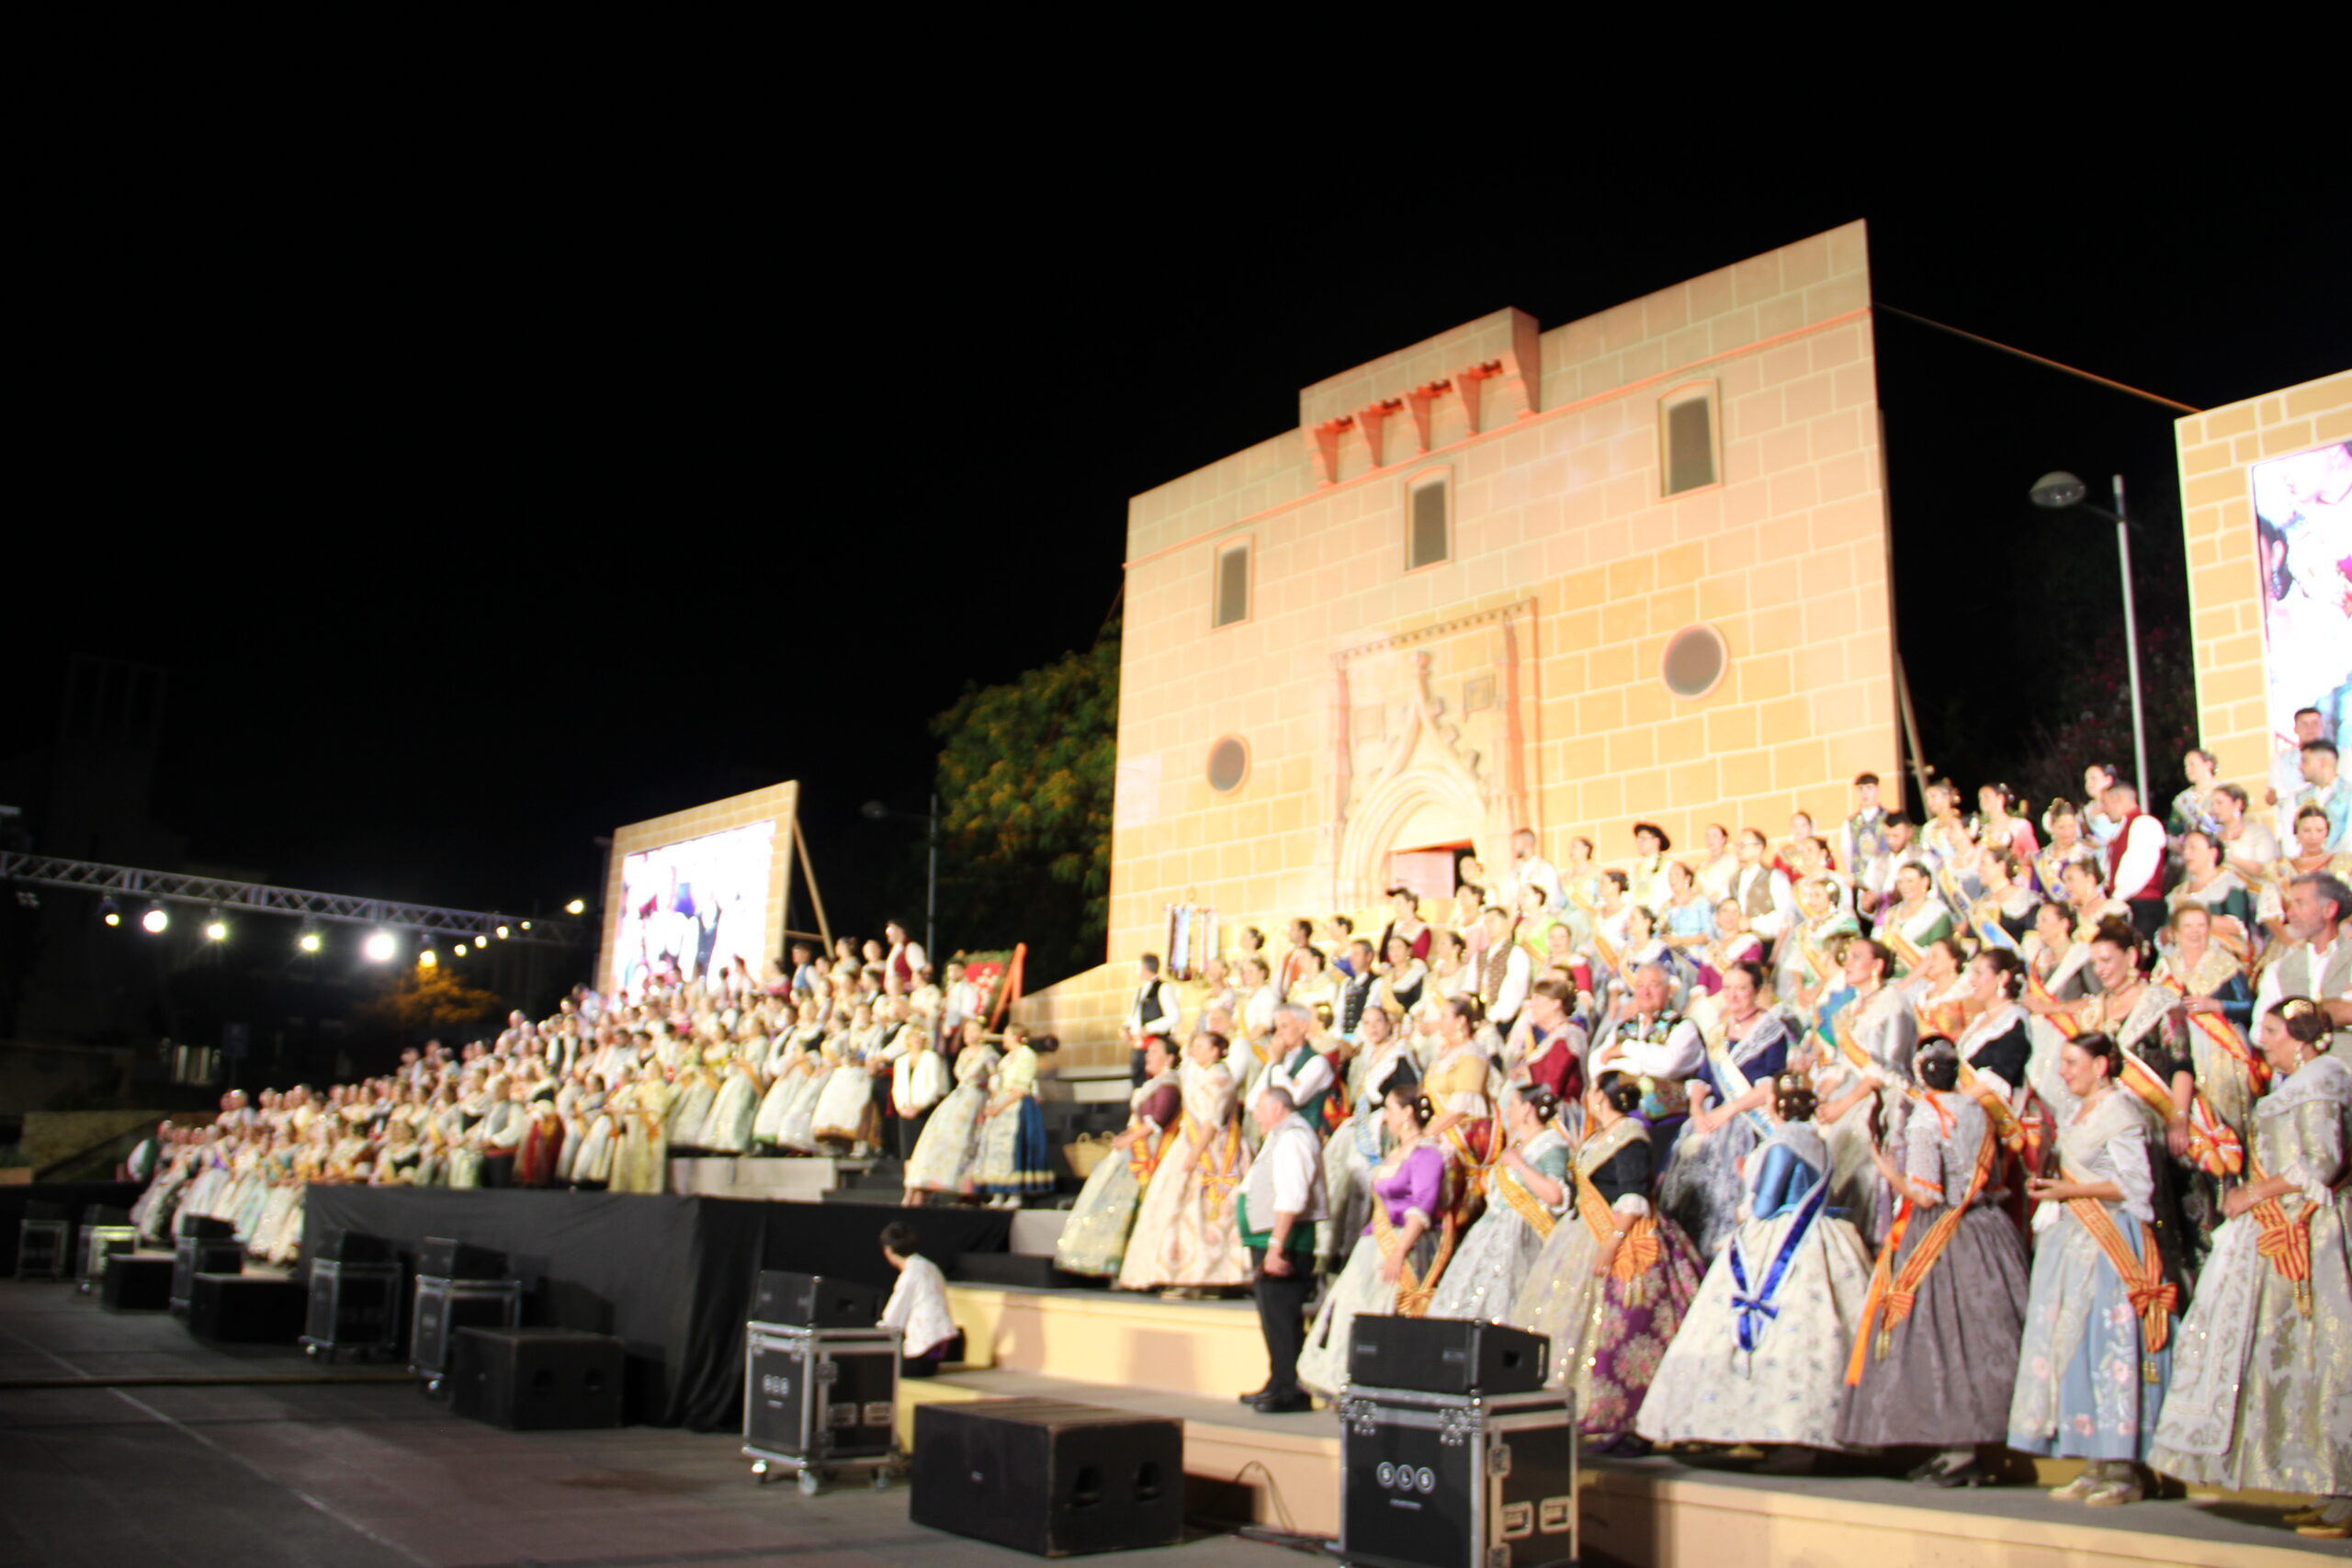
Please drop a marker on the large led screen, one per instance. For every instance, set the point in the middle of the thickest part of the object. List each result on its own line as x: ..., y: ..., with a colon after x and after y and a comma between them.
x: 2302, y: 506
x: 694, y: 907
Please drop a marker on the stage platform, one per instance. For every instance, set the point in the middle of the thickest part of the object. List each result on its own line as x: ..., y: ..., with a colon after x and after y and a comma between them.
x: 1191, y: 1359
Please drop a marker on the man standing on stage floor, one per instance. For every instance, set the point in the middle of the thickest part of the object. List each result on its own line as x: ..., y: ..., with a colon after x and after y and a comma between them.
x: 1155, y: 1011
x: 2135, y: 860
x: 1282, y: 1200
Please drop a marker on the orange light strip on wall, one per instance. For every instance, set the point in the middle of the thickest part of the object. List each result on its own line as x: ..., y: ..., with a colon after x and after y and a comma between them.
x: 1628, y: 389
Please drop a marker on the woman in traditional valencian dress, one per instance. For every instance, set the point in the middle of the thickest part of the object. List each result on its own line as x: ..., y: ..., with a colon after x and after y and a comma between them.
x: 1185, y: 1236
x: 1356, y: 1145
x: 2153, y: 1063
x: 2262, y: 1385
x: 943, y: 1155
x: 1863, y: 1081
x: 2192, y: 808
x: 1938, y: 991
x: 1808, y: 957
x: 2310, y: 854
x: 2003, y: 913
x: 789, y: 1070
x: 1747, y: 1050
x: 641, y: 1162
x: 2212, y: 887
x: 1934, y: 1355
x: 1397, y: 1262
x: 1527, y: 1191
x: 1462, y: 1117
x: 844, y: 1113
x: 1997, y: 824
x: 1917, y: 918
x: 2214, y: 998
x: 1611, y: 1285
x: 2067, y: 846
x: 1013, y: 1161
x: 1094, y: 1241
x: 1761, y: 1357
x: 2097, y: 1350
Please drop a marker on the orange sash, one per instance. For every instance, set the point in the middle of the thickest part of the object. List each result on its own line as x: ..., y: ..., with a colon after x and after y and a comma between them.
x: 2217, y: 1029
x: 1895, y: 1294
x: 2212, y: 1143
x: 2285, y: 1243
x: 2063, y: 1020
x: 1146, y: 1153
x: 1220, y: 1170
x: 2005, y: 1125
x: 1414, y: 1291
x: 1523, y: 1203
x: 2152, y: 1296
x: 1637, y: 1252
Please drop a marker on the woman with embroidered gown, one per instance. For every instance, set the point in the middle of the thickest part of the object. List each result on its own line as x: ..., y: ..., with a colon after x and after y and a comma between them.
x: 2215, y: 888
x: 2002, y: 912
x: 788, y: 1067
x: 1396, y: 1264
x: 1808, y: 958
x: 1612, y: 1283
x: 1012, y: 1160
x: 846, y: 1113
x: 2096, y: 1349
x: 796, y: 1130
x: 1460, y: 1083
x: 2262, y: 1384
x: 1094, y: 1240
x: 1746, y: 1049
x: 2216, y: 1000
x: 1760, y: 1357
x: 1526, y: 1193
x: 1356, y: 1145
x: 1865, y: 1070
x: 1997, y: 823
x: 2067, y: 846
x: 1185, y: 1235
x: 1933, y: 1356
x: 943, y: 1155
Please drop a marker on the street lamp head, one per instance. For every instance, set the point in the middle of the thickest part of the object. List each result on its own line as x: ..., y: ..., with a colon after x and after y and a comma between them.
x: 2058, y: 491
x: 874, y: 811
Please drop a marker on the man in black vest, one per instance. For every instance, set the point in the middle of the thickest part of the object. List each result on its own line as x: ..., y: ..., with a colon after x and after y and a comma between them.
x: 1154, y: 1011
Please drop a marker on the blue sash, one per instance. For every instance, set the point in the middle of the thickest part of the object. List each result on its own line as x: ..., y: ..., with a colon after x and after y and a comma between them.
x: 1756, y: 1307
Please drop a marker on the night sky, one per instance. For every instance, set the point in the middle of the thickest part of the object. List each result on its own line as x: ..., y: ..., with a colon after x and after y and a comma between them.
x: 479, y: 501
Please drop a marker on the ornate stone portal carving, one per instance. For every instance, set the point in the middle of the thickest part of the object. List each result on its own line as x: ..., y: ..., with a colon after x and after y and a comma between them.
x: 1431, y: 773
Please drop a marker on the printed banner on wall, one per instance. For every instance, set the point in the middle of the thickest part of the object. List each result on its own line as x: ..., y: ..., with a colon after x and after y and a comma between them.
x: 2302, y: 507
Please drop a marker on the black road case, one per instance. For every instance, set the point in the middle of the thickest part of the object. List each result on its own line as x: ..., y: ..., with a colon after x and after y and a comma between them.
x: 1456, y: 1481
x: 194, y: 1255
x: 98, y: 1244
x: 817, y: 1400
x: 444, y: 1306
x: 353, y: 1310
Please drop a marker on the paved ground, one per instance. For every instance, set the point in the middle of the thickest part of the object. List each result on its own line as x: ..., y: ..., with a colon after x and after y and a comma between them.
x: 200, y: 1456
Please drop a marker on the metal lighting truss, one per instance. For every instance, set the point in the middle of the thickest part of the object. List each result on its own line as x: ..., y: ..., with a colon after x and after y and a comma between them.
x: 47, y: 870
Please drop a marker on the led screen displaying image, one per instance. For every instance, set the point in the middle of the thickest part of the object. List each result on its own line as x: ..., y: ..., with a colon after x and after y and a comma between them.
x: 694, y: 907
x: 2302, y: 507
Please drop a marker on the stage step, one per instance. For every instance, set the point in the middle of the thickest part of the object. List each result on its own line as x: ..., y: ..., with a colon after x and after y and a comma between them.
x: 1018, y: 1270
x: 1657, y: 1513
x: 776, y: 1179
x: 1113, y: 1339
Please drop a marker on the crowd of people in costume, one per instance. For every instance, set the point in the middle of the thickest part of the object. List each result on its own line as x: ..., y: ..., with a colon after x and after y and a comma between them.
x: 847, y: 1055
x: 1983, y: 1135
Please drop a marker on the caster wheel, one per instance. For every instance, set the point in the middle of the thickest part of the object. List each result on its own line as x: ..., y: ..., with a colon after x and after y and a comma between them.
x: 759, y: 1473
x: 808, y: 1483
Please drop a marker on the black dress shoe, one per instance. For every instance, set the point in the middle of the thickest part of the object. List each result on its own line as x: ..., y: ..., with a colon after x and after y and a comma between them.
x: 1292, y: 1403
x: 1255, y: 1394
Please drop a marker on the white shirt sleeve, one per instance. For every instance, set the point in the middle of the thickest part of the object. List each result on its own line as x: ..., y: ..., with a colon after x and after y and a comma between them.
x: 1309, y: 1081
x: 1676, y: 1056
x: 1294, y: 1178
x: 2143, y: 851
x: 1512, y: 994
x: 1770, y: 925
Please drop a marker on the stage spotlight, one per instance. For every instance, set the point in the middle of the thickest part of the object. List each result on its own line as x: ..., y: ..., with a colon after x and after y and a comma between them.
x: 109, y: 911
x: 526, y: 925
x: 156, y: 920
x: 380, y: 946
x: 502, y: 933
x: 577, y: 907
x: 461, y: 949
x: 216, y: 929
x: 309, y: 941
x: 427, y: 959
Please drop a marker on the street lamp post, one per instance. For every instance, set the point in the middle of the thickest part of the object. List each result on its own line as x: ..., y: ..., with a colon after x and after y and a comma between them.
x: 2058, y: 492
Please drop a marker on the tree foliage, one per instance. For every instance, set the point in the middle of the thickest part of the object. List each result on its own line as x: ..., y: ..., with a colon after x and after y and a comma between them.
x: 1025, y: 776
x: 426, y: 1000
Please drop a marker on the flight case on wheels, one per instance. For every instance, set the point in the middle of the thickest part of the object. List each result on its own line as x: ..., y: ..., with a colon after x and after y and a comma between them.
x: 821, y: 1400
x: 1456, y: 1481
x: 442, y: 1307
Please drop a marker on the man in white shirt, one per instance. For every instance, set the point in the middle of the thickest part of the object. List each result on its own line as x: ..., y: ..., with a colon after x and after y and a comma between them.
x: 2287, y: 771
x: 1649, y: 1039
x: 1155, y: 1011
x: 2135, y: 857
x: 1282, y: 1200
x: 1862, y: 835
x: 1761, y: 890
x: 1529, y: 869
x: 1296, y: 1067
x: 2319, y: 965
x: 918, y: 1305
